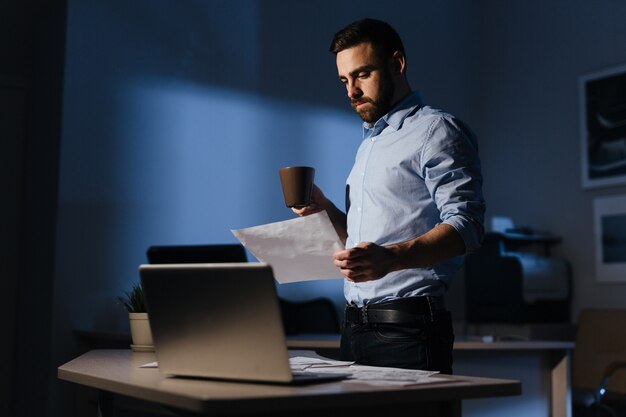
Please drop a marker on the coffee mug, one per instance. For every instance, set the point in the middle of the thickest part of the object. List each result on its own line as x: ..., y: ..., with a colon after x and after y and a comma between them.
x: 297, y: 183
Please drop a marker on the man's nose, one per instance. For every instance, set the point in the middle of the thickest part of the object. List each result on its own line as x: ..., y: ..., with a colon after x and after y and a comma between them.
x: 353, y: 90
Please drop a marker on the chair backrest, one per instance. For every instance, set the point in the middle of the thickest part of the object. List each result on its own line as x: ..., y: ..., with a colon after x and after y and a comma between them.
x: 312, y: 316
x: 600, y: 341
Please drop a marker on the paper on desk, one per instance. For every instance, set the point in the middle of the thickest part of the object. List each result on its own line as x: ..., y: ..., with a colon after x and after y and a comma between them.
x: 154, y: 364
x: 399, y: 383
x: 299, y: 249
x: 391, y: 376
x: 372, y: 375
x: 301, y: 363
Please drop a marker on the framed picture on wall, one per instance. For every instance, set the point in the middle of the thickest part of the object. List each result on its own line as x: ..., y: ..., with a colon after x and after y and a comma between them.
x: 603, y: 127
x: 610, y: 238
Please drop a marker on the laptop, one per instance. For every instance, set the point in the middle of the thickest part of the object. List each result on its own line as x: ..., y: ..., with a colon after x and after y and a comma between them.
x: 219, y: 320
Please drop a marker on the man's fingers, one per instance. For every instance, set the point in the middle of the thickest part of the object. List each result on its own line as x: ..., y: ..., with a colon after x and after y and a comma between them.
x: 349, y: 254
x: 346, y: 263
x: 306, y: 211
x: 357, y: 275
x: 352, y: 274
x: 351, y: 263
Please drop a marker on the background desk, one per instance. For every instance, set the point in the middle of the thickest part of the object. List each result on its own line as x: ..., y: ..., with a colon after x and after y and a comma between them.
x: 118, y: 372
x: 543, y: 367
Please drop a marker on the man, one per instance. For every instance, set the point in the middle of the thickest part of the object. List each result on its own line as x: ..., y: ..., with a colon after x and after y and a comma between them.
x: 414, y: 206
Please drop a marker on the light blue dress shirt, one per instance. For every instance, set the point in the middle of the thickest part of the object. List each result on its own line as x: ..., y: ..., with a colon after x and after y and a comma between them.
x: 417, y: 167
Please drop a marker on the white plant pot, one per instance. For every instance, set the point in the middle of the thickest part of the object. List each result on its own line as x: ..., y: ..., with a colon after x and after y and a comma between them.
x: 140, y: 332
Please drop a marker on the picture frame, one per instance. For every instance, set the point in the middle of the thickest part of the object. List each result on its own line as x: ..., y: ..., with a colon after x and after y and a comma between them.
x: 610, y: 238
x: 602, y: 99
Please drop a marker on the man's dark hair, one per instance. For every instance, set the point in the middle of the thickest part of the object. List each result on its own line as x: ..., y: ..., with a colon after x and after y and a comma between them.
x: 383, y: 38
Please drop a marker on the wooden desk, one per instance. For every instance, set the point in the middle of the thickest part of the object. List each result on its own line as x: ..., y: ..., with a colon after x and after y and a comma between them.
x: 118, y: 372
x: 542, y: 366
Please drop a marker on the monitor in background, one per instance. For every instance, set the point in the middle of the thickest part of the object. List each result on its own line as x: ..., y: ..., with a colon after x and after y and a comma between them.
x: 193, y: 254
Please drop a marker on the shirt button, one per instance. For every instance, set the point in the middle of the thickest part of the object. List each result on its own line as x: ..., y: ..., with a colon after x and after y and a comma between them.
x: 362, y: 173
x: 358, y: 209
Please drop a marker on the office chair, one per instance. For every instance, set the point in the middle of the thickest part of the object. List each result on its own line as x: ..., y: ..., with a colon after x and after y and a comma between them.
x: 312, y: 316
x: 599, y: 364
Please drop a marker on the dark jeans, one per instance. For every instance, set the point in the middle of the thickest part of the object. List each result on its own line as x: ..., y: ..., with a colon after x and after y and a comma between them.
x: 426, y: 346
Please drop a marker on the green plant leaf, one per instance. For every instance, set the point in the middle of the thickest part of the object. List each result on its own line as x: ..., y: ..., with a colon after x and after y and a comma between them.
x: 133, y: 300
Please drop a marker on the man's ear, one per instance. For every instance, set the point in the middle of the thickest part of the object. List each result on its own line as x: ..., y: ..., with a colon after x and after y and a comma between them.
x: 398, y: 63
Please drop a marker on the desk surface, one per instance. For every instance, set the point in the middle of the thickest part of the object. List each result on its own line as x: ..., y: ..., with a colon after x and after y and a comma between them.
x: 118, y: 371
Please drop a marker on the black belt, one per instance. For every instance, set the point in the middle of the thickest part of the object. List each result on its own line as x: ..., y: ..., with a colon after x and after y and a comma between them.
x: 403, y: 310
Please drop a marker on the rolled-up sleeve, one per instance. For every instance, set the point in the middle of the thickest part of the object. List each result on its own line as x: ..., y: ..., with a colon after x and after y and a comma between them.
x: 451, y: 169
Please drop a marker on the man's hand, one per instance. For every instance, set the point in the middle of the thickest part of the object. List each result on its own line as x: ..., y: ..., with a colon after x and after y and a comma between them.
x: 368, y: 261
x: 365, y: 262
x: 317, y: 204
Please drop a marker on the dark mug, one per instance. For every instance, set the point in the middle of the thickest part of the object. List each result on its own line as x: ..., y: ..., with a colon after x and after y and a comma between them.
x: 297, y: 183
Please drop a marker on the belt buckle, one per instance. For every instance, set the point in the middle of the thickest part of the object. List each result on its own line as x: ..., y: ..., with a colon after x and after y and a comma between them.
x: 364, y: 317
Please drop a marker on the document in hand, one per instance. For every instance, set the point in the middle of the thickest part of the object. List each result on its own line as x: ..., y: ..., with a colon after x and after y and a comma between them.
x: 299, y: 249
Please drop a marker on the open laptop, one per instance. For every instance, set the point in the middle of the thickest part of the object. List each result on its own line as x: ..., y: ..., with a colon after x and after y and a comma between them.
x: 219, y: 320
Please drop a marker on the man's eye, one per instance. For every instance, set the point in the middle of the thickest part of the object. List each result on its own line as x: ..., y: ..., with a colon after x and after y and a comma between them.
x: 363, y: 75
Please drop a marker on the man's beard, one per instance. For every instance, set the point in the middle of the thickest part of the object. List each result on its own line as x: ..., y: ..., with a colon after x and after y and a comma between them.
x: 378, y: 108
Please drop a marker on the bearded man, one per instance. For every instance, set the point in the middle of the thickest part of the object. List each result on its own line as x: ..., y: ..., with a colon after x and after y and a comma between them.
x: 414, y: 208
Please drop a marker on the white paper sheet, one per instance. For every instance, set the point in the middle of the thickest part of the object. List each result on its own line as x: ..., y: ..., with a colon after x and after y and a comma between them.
x: 373, y: 375
x: 154, y: 364
x: 299, y: 249
x: 302, y: 363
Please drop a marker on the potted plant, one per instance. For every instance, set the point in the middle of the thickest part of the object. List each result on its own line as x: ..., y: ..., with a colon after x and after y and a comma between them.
x: 133, y: 302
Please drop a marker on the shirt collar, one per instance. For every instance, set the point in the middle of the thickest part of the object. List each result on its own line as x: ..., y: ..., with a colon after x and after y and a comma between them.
x: 395, y: 117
